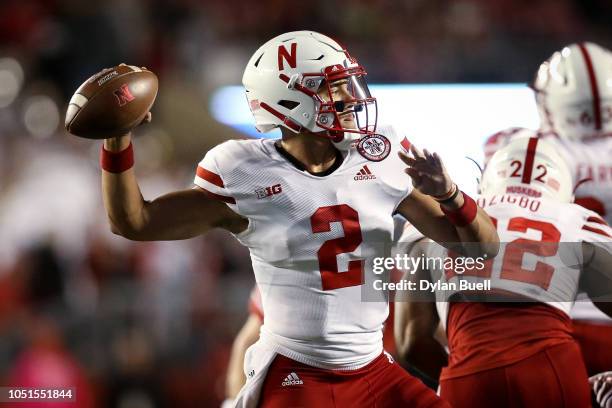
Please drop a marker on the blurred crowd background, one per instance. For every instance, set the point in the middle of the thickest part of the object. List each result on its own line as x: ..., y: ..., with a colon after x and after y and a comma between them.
x: 150, y: 324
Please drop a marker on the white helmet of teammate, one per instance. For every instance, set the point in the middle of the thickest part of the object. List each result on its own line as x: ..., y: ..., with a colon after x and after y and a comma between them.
x: 574, y: 92
x: 528, y: 166
x: 287, y: 83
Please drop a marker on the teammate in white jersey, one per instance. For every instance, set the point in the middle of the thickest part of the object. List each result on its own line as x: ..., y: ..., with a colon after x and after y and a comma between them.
x: 590, y: 163
x: 312, y: 208
x: 574, y: 100
x: 520, y: 352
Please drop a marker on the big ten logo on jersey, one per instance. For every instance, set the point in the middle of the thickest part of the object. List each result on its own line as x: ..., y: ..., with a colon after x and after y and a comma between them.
x: 268, y: 191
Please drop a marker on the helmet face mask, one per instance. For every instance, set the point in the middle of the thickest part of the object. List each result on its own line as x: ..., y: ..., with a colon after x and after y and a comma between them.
x: 344, y: 103
x: 573, y: 94
x: 528, y: 166
x: 306, y: 81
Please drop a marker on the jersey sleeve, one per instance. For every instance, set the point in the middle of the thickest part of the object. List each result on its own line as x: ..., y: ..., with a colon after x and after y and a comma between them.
x: 596, y: 230
x: 394, y: 179
x: 591, y: 203
x: 213, y: 174
x: 410, y: 233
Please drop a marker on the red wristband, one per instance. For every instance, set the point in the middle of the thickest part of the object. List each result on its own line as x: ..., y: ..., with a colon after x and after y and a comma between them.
x: 463, y: 215
x: 117, y: 162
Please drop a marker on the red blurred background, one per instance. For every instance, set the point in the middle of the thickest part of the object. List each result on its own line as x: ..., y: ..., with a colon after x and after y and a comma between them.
x: 151, y: 324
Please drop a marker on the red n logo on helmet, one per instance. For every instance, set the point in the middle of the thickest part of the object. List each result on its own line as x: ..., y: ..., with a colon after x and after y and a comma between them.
x: 284, y: 55
x: 123, y: 95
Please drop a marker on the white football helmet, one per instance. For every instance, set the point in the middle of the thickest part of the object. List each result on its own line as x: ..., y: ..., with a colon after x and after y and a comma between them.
x: 283, y: 80
x: 528, y: 166
x: 574, y: 92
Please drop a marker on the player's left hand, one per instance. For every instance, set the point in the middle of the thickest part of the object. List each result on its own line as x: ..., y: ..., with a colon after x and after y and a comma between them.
x: 427, y: 171
x: 602, y: 387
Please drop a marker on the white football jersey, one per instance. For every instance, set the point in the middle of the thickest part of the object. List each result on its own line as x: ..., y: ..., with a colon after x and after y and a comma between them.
x: 537, y: 259
x: 587, y: 160
x: 309, y: 236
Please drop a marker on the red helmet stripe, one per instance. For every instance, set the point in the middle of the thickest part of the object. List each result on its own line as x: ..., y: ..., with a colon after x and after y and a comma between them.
x: 297, y: 86
x: 594, y: 88
x: 286, y: 120
x: 529, y: 158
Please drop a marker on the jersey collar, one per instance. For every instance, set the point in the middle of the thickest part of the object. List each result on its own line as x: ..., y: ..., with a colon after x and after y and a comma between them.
x: 297, y: 164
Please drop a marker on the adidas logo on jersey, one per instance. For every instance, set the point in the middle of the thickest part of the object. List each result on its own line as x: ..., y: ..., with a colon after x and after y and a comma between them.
x: 364, y: 174
x: 292, y: 379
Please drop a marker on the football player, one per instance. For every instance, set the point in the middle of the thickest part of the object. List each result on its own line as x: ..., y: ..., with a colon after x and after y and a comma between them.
x: 249, y: 334
x: 312, y: 208
x: 517, y: 351
x: 574, y: 100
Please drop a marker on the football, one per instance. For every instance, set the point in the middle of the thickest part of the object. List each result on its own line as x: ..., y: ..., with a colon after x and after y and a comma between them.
x: 111, y: 102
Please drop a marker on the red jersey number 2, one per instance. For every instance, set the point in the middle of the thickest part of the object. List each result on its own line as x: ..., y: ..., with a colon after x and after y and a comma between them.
x: 331, y: 277
x: 512, y: 258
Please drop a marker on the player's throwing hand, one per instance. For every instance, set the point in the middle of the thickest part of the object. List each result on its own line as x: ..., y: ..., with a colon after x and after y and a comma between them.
x: 427, y: 172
